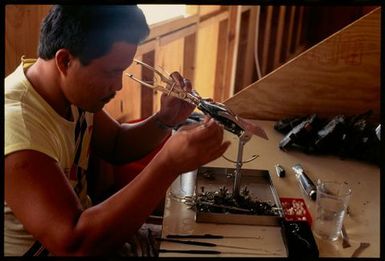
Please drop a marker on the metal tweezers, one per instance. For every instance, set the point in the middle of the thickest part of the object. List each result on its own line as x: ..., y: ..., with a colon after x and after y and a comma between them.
x: 167, y: 85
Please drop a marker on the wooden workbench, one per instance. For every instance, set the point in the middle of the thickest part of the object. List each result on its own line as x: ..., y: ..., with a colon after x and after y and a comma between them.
x: 362, y: 224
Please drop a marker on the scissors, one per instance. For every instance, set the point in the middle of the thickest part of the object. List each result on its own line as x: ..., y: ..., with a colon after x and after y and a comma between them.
x: 231, y: 122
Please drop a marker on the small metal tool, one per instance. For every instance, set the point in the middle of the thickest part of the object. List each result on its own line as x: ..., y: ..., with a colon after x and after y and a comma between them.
x: 209, y: 236
x: 224, y: 206
x: 306, y: 183
x: 212, y: 252
x: 280, y: 170
x: 206, y: 244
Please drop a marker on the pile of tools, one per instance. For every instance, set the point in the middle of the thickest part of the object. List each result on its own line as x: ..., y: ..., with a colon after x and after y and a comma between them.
x: 348, y: 137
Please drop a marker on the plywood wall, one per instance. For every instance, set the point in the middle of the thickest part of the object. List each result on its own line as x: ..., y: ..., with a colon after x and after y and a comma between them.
x: 204, y: 77
x: 169, y: 57
x: 22, y: 26
x: 339, y: 75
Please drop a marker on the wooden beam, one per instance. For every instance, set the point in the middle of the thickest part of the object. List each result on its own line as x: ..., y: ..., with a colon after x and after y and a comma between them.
x: 181, y: 33
x: 146, y: 94
x: 233, y: 40
x: 219, y: 86
x: 168, y: 26
x: 249, y: 70
x: 266, y: 37
x: 279, y: 36
x: 290, y: 30
x: 299, y: 27
x: 217, y: 17
x: 189, y: 57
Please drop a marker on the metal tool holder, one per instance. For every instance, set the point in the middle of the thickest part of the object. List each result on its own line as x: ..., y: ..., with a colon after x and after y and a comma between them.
x: 243, y: 139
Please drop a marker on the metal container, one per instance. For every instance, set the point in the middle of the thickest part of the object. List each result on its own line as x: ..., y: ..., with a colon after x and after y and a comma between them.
x: 259, y: 185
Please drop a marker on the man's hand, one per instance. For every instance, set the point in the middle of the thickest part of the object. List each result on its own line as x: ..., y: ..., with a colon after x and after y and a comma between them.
x: 194, y: 145
x: 174, y: 111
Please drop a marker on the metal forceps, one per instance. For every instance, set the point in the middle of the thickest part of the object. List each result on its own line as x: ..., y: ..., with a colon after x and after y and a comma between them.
x: 166, y: 85
x: 216, y: 110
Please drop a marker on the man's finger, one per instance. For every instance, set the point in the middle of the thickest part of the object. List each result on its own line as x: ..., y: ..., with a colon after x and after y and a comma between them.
x: 178, y: 79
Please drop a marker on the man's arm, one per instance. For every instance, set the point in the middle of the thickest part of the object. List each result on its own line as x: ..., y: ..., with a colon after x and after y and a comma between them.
x: 42, y: 199
x: 121, y: 143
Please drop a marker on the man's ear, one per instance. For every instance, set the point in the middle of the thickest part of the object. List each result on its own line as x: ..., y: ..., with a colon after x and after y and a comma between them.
x: 63, y: 59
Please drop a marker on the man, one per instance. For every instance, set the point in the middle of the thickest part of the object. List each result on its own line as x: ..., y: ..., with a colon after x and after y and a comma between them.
x: 54, y: 117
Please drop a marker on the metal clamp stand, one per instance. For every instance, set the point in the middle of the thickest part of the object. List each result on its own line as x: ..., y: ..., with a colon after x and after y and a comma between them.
x: 243, y: 139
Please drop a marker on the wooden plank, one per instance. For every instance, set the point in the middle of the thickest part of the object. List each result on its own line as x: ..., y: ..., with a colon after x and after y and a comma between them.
x: 299, y: 27
x: 273, y: 40
x: 233, y: 40
x: 250, y: 69
x: 219, y: 88
x: 22, y: 30
x: 340, y: 75
x: 208, y: 9
x: 266, y: 37
x: 241, y: 53
x: 168, y: 58
x: 189, y: 52
x: 126, y: 104
x: 146, y: 94
x: 290, y: 30
x: 206, y: 63
x: 214, y: 19
x: 279, y: 37
x: 166, y: 27
x: 175, y: 35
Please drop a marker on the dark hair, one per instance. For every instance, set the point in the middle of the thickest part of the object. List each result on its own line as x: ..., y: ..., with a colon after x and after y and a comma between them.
x: 89, y: 31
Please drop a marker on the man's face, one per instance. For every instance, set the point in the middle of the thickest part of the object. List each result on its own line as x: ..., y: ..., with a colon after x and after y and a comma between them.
x: 90, y: 87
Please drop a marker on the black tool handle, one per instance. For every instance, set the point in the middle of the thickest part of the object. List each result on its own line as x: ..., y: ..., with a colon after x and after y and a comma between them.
x: 308, y: 185
x: 210, y: 252
x: 195, y: 236
x: 189, y: 242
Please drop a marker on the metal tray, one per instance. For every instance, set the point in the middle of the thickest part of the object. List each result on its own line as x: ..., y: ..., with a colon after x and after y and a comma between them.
x: 258, y: 183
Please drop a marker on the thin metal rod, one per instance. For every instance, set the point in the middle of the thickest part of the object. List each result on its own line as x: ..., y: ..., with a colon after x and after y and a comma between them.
x: 208, y: 244
x: 210, y: 236
x: 237, y: 172
x: 211, y: 252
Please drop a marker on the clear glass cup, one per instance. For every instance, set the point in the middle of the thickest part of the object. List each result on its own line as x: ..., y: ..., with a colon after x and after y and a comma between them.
x: 332, y: 201
x: 183, y: 186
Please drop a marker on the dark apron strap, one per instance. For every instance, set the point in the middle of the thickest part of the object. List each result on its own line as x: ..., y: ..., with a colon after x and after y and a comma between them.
x: 37, y: 249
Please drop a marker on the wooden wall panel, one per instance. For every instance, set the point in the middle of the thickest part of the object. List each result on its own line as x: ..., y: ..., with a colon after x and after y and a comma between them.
x: 233, y: 36
x: 219, y: 84
x: 207, y: 9
x: 204, y: 78
x: 22, y: 28
x: 266, y: 24
x: 189, y: 57
x: 126, y: 104
x: 339, y: 75
x: 170, y: 58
